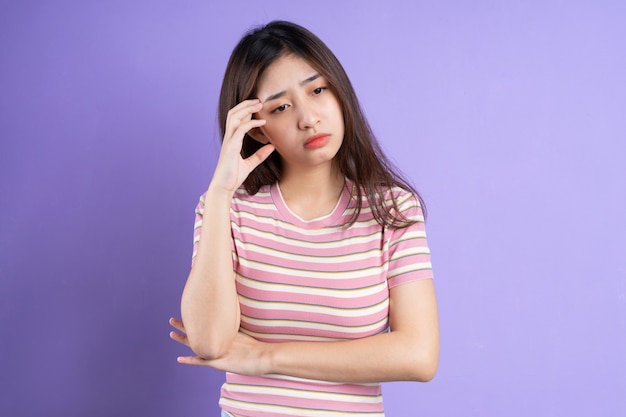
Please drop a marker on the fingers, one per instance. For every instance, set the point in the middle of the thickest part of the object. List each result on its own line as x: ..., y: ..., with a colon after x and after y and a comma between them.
x: 182, y: 339
x: 259, y: 156
x: 232, y: 169
x: 192, y: 360
x: 239, y: 119
x: 178, y: 337
x: 177, y: 324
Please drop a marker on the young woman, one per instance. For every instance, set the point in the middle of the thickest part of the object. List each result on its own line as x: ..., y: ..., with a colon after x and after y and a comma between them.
x: 311, y: 280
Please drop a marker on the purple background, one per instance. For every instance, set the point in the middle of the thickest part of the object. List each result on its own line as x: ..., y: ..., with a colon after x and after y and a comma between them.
x: 510, y: 117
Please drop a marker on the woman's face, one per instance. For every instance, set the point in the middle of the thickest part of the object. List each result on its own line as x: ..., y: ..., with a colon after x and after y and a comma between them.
x: 304, y: 120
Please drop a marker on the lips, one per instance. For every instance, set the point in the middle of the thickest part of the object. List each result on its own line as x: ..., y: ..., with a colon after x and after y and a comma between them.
x: 317, y: 141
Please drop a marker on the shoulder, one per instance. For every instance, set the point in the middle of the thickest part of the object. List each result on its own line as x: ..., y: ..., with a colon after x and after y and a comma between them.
x: 401, y: 195
x: 386, y: 194
x: 200, y: 206
x: 242, y: 194
x: 243, y: 198
x: 405, y: 200
x: 404, y: 204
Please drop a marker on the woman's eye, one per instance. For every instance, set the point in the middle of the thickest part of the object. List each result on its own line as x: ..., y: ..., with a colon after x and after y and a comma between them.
x: 280, y: 109
x: 319, y: 90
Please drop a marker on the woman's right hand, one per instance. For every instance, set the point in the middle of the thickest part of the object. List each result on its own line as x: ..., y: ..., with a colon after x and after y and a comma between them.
x: 232, y: 170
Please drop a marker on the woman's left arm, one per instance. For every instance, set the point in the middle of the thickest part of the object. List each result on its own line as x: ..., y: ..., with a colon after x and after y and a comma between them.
x: 408, y: 352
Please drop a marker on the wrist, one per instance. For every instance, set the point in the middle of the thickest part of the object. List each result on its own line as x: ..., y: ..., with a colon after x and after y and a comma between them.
x: 218, y: 194
x: 268, y: 358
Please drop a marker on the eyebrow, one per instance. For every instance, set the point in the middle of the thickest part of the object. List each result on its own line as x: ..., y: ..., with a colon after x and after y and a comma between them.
x: 302, y: 84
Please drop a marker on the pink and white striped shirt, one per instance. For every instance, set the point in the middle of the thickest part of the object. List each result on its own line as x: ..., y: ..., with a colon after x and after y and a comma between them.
x: 315, y: 280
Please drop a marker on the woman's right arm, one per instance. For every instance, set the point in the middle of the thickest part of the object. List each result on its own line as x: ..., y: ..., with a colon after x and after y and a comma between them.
x: 209, y: 304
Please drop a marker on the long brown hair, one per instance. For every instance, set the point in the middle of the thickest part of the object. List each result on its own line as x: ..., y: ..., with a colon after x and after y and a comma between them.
x: 360, y: 157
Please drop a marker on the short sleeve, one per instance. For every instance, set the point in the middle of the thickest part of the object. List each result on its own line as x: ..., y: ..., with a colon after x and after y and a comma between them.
x: 197, y: 226
x: 409, y: 254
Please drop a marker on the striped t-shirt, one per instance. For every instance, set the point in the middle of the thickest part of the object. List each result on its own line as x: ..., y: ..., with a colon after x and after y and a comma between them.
x: 315, y: 280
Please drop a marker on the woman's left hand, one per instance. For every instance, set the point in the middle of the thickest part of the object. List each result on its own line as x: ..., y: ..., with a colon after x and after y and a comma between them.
x: 246, y: 355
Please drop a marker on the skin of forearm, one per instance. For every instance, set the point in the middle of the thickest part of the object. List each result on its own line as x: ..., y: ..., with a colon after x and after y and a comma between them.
x: 385, y: 357
x: 209, y: 305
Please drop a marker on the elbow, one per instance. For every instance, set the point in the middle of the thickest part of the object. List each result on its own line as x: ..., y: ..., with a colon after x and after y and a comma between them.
x: 427, y: 373
x: 207, y: 352
x: 206, y: 349
x: 423, y: 367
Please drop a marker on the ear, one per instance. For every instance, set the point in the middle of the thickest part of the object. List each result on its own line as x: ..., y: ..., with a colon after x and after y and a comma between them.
x: 258, y: 135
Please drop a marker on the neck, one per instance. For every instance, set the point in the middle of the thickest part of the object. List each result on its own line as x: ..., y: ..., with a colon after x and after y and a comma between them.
x: 315, y: 182
x: 312, y: 193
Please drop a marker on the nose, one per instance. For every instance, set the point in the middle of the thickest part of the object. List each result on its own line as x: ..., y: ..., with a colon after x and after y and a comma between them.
x: 308, y: 117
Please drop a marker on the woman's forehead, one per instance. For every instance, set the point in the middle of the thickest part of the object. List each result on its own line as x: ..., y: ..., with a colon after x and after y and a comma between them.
x: 288, y: 70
